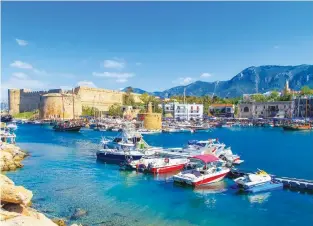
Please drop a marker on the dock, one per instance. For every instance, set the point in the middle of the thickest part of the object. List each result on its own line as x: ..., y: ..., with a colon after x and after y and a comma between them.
x: 288, y: 182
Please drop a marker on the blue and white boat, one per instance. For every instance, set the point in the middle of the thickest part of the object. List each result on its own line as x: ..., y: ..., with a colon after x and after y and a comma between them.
x: 127, y: 145
x: 257, y: 182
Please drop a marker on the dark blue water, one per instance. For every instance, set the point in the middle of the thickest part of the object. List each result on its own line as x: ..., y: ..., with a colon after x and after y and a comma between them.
x: 63, y: 174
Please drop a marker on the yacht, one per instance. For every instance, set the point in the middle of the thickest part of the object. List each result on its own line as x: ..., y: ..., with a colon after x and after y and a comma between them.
x: 128, y: 145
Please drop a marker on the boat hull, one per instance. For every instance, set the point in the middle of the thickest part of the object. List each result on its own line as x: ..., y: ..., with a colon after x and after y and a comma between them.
x: 203, y: 181
x: 70, y: 129
x: 167, y: 169
x: 116, y: 158
x: 272, y: 185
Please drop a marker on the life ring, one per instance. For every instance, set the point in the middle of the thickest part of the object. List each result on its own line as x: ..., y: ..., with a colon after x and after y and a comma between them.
x: 166, y: 160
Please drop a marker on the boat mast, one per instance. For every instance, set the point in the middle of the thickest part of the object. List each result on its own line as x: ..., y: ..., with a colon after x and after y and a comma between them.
x: 73, y: 103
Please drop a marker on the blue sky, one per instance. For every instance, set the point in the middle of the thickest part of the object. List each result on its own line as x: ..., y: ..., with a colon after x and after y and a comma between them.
x: 150, y: 45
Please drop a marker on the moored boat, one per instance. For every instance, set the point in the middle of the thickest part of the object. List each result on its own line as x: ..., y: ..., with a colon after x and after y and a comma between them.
x: 127, y: 145
x: 202, y: 169
x: 257, y: 182
x: 158, y: 164
x: 67, y: 126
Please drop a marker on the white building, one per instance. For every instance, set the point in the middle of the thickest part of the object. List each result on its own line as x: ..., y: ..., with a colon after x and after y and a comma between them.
x: 184, y: 111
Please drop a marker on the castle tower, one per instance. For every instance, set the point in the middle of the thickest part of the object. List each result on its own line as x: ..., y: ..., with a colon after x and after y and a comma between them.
x: 152, y: 121
x: 14, y: 98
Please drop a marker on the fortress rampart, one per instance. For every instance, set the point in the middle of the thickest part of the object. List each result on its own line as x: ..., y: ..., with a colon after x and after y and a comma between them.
x: 50, y: 104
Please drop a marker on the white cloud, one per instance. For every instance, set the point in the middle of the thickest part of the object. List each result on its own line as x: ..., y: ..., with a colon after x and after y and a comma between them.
x: 121, y: 80
x: 120, y: 77
x: 113, y: 74
x: 86, y: 83
x: 183, y: 80
x: 39, y: 72
x: 21, y: 42
x: 21, y: 65
x: 20, y: 75
x: 114, y: 64
x: 205, y: 75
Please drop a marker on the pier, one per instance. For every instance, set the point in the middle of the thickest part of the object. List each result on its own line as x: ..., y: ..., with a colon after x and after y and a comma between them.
x: 288, y: 182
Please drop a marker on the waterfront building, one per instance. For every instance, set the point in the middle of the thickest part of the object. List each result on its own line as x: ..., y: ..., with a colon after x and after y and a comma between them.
x: 303, y: 107
x: 275, y: 109
x: 222, y: 110
x: 183, y: 111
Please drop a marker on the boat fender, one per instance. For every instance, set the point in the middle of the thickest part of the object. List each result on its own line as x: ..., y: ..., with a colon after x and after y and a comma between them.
x: 166, y: 160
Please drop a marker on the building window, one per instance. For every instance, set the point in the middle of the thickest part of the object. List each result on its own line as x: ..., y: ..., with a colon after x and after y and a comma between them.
x: 245, y: 109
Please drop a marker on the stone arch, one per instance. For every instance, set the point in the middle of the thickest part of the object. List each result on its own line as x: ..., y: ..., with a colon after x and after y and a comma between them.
x: 245, y: 109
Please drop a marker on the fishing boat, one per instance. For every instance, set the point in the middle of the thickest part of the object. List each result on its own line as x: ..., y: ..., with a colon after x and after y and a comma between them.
x: 67, y: 126
x: 158, y: 164
x: 306, y: 126
x: 202, y: 169
x: 257, y: 182
x: 127, y: 145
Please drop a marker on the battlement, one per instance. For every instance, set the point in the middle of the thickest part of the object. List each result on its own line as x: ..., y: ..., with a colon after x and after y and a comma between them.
x: 85, y: 88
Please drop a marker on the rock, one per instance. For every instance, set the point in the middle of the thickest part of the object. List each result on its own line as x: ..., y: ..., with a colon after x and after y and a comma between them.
x: 18, y: 164
x: 5, y: 215
x: 17, y: 208
x: 12, y: 166
x: 27, y: 221
x: 5, y: 180
x: 78, y: 213
x: 5, y: 168
x: 15, y: 194
x: 59, y: 222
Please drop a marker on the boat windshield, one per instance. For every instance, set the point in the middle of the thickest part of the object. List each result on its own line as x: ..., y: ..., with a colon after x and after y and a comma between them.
x: 117, y: 139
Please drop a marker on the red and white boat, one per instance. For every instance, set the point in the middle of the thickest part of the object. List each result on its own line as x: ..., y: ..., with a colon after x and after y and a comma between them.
x: 159, y: 165
x: 203, y: 169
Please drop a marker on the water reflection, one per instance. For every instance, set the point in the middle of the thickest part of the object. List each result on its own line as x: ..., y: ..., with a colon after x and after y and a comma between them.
x: 259, y: 198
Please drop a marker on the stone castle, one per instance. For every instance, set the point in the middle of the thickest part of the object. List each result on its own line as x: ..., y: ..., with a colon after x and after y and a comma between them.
x: 58, y: 103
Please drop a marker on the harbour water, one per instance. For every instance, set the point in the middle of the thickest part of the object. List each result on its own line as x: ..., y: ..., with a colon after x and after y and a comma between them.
x: 63, y: 174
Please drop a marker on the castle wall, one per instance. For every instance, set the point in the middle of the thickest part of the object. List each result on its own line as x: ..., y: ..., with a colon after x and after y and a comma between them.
x: 53, y: 106
x: 14, y: 101
x: 101, y: 99
x: 22, y: 100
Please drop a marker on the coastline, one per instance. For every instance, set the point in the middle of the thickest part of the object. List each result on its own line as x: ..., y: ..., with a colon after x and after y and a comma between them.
x: 16, y: 200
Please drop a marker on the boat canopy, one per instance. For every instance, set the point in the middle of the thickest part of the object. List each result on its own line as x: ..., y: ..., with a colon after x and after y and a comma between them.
x: 206, y: 158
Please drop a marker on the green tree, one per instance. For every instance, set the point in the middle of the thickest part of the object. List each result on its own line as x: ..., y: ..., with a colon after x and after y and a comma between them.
x: 274, y: 96
x: 115, y: 110
x: 259, y: 97
x: 128, y: 98
x: 88, y: 111
x: 305, y: 90
x: 145, y: 97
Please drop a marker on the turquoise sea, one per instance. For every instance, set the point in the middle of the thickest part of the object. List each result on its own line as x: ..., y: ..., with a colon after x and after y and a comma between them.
x: 63, y: 174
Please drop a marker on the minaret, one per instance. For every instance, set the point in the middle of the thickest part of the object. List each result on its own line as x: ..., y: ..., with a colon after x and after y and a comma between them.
x: 287, y: 89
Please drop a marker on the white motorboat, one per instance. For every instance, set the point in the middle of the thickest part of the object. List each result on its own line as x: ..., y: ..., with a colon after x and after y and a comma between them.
x: 257, y: 182
x: 158, y: 164
x: 203, y: 169
x: 214, y: 147
x: 128, y: 144
x: 12, y: 126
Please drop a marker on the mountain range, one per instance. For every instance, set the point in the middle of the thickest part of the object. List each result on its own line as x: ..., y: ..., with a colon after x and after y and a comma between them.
x: 251, y: 80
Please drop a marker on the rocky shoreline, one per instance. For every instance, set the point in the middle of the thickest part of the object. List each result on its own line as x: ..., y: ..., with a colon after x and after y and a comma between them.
x: 16, y: 200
